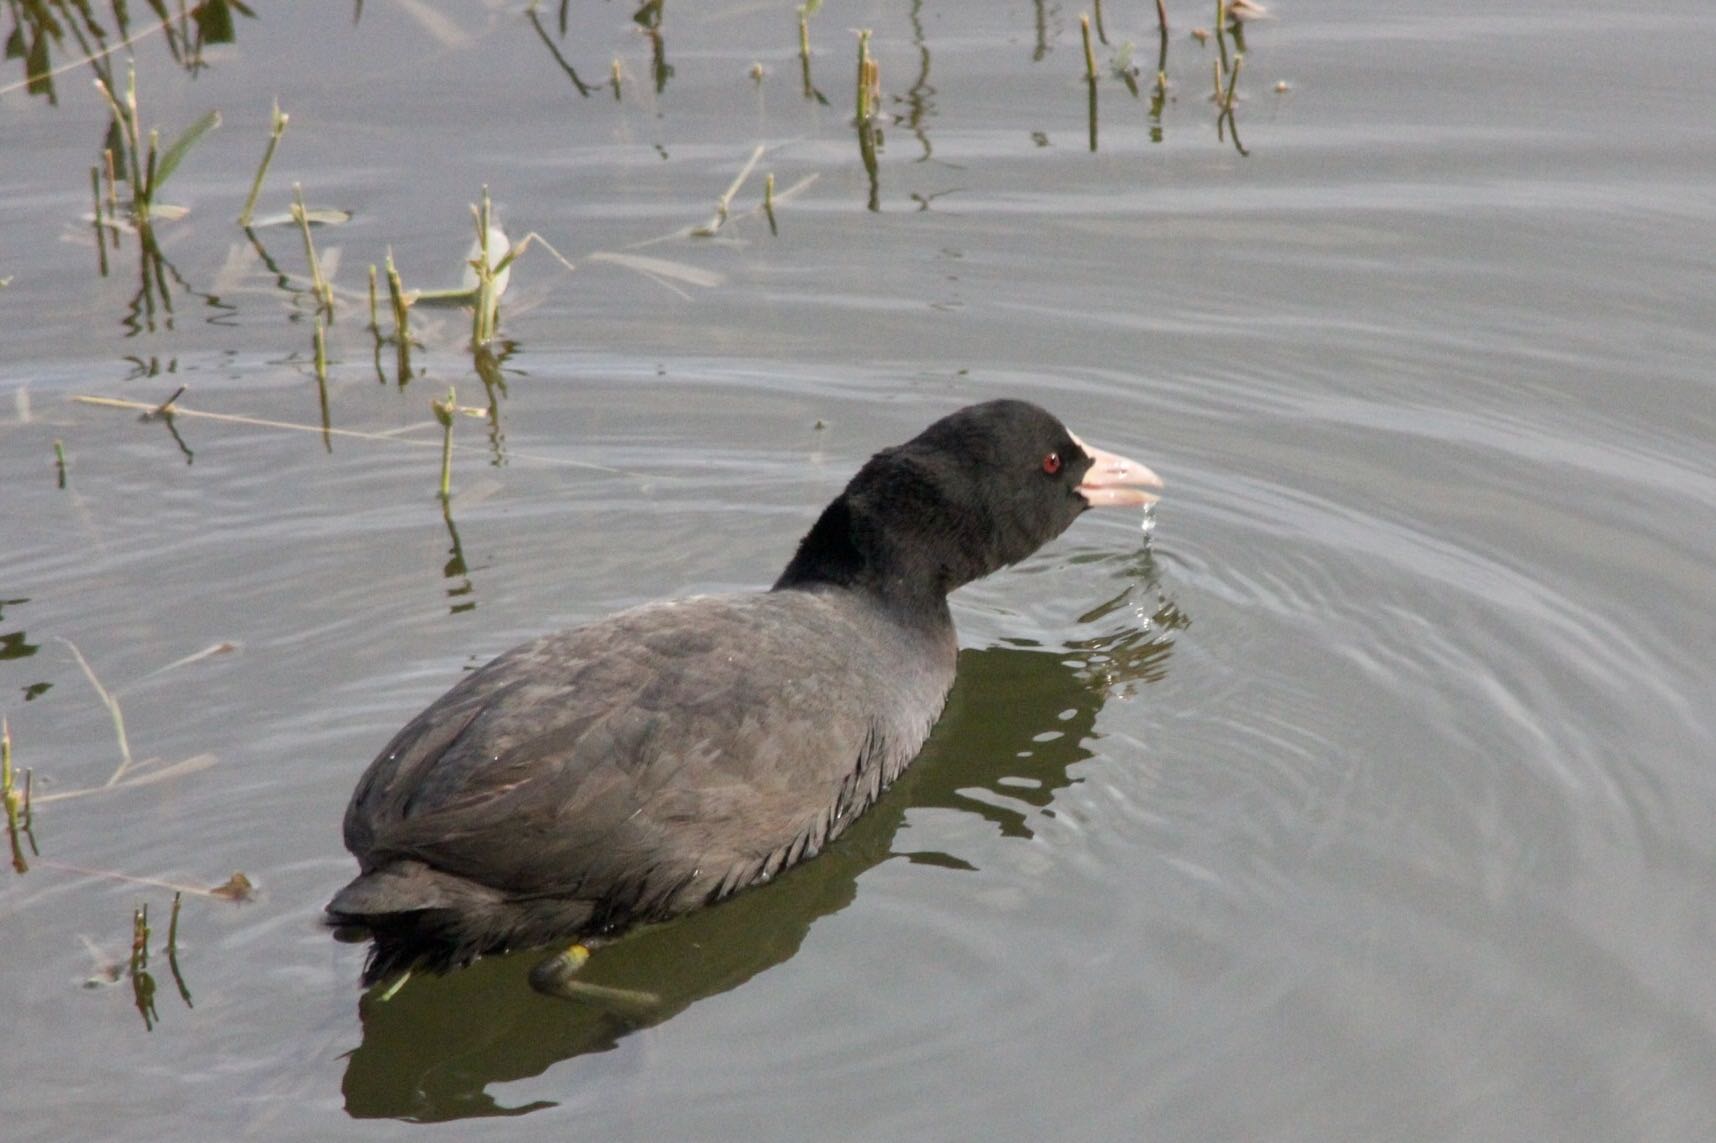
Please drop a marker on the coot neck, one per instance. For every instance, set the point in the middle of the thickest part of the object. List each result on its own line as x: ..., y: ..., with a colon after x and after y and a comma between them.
x: 895, y: 563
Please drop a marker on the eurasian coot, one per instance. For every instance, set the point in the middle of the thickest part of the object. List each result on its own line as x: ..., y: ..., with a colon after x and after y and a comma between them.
x: 668, y: 756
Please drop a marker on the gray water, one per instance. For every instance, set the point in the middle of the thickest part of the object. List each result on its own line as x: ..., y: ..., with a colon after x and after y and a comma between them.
x: 1373, y: 796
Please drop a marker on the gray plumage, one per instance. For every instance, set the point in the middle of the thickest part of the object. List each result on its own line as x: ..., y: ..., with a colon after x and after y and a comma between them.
x: 666, y: 757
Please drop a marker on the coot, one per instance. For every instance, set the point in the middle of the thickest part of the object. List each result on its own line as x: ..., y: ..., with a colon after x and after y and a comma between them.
x: 666, y: 757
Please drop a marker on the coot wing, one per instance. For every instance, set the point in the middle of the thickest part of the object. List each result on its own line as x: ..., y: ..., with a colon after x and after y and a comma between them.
x: 660, y: 758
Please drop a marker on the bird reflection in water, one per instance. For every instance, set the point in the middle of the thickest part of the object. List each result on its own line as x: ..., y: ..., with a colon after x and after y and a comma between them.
x: 1017, y: 723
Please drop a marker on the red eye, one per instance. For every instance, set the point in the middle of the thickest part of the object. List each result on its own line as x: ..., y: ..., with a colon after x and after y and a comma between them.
x: 1052, y: 463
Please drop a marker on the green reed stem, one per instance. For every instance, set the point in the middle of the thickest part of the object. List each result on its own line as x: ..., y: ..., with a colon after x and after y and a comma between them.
x: 140, y: 938
x: 444, y: 413
x: 279, y: 121
x: 324, y: 292
x: 863, y: 98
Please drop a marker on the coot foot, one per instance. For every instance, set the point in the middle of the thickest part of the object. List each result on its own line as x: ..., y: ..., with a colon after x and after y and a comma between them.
x: 556, y: 976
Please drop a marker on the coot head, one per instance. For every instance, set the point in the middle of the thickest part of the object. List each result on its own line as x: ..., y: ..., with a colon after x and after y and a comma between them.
x: 981, y: 488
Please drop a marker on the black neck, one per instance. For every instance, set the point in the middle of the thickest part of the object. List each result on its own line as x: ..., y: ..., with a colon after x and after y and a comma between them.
x: 847, y: 550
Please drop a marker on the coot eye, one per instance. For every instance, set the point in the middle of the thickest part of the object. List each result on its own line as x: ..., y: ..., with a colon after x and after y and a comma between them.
x: 1052, y: 463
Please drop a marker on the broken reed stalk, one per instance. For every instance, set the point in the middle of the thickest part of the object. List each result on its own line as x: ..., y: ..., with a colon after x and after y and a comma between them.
x: 1162, y: 53
x: 15, y: 804
x: 125, y: 115
x: 374, y: 324
x: 279, y: 122
x: 401, y: 326
x: 616, y: 79
x: 394, y: 436
x: 108, y: 700
x: 864, y: 69
x: 173, y: 952
x: 18, y: 811
x: 768, y: 202
x: 443, y: 411
x: 60, y: 460
x: 1089, y: 55
x: 112, y: 177
x: 150, y: 164
x: 396, y: 294
x: 95, y: 193
x: 1101, y: 32
x: 165, y: 408
x: 139, y: 938
x: 321, y: 356
x: 99, y: 220
x: 1232, y: 81
x: 1221, y: 32
x: 810, y: 91
x: 324, y: 292
x: 483, y: 318
x: 724, y: 204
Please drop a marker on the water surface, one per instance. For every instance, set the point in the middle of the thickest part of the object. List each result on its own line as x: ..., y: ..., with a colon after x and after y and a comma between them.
x: 1370, y: 798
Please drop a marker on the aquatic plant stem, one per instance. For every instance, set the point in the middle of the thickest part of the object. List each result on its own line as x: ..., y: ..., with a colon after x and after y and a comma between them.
x: 140, y: 938
x: 863, y: 93
x: 324, y: 292
x: 173, y: 952
x: 724, y: 204
x: 1162, y: 52
x: 14, y: 801
x: 95, y: 193
x: 112, y: 177
x: 487, y: 299
x: 393, y: 437
x: 444, y: 413
x: 17, y: 804
x: 810, y: 91
x: 279, y: 122
x: 401, y: 323
x: 112, y: 705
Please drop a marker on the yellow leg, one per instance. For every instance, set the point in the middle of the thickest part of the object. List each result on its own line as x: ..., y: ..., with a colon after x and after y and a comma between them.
x: 554, y: 976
